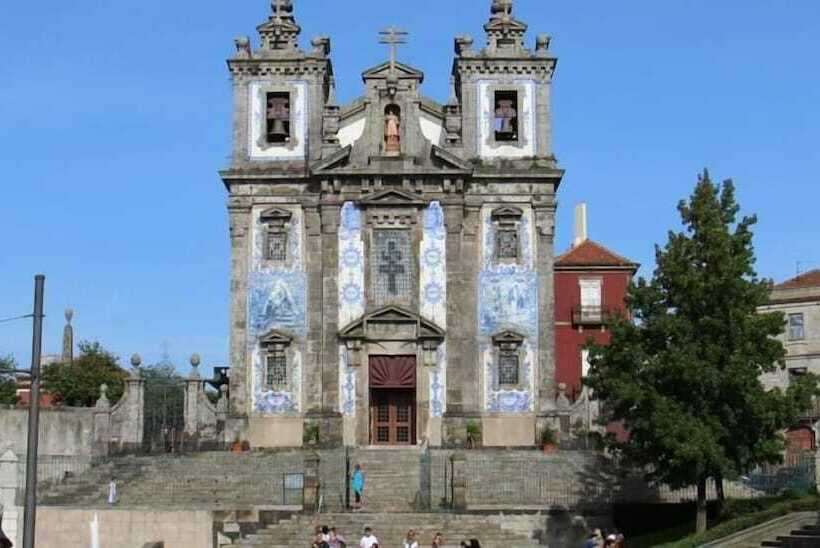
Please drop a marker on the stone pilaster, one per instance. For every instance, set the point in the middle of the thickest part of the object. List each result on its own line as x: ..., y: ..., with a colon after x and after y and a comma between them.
x: 545, y: 376
x: 240, y: 249
x: 330, y: 307
x: 193, y: 386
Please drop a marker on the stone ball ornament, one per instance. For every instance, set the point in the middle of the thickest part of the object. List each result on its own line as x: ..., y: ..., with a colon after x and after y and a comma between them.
x: 195, y: 360
x: 136, y: 361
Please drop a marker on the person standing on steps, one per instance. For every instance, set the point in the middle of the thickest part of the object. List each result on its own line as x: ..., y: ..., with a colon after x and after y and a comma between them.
x: 358, y: 487
x: 410, y: 540
x: 113, y: 497
x: 438, y: 541
x: 336, y: 539
x: 369, y: 540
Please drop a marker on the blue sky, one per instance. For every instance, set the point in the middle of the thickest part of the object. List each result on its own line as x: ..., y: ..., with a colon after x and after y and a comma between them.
x: 115, y: 117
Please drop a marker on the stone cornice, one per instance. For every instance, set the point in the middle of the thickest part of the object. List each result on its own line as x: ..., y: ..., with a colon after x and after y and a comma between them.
x: 283, y: 67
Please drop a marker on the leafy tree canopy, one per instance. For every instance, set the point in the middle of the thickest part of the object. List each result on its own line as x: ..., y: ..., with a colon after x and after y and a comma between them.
x: 78, y: 384
x: 684, y: 373
x: 8, y: 385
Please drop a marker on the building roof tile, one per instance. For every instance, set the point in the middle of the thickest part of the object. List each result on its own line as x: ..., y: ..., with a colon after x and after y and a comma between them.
x: 590, y: 253
x: 807, y: 279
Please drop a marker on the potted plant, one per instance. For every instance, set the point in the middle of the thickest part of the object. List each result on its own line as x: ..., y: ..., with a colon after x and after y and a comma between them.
x: 473, y: 434
x: 311, y: 434
x: 548, y: 440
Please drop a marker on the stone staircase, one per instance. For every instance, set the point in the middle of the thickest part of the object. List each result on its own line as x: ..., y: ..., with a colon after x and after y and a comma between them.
x: 393, y: 478
x: 206, y: 480
x: 807, y: 536
x: 390, y: 529
x: 795, y: 530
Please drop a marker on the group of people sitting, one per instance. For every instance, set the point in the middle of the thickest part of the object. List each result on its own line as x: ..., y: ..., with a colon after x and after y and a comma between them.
x: 328, y: 537
x: 598, y: 540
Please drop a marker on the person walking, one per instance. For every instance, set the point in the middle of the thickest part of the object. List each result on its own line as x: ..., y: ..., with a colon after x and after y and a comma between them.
x: 358, y: 487
x: 369, y: 540
x: 410, y: 540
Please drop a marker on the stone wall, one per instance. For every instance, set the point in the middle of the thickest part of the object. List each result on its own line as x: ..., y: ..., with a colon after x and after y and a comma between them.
x: 63, y: 431
x: 57, y: 528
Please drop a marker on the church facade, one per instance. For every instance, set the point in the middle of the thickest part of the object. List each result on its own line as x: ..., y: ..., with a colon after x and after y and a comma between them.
x: 392, y: 258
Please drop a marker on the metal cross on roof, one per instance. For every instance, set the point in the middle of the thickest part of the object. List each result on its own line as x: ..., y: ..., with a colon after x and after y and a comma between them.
x: 393, y: 36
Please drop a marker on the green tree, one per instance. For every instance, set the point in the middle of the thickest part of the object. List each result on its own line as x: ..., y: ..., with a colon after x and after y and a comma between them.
x: 684, y: 374
x: 78, y: 384
x: 8, y: 384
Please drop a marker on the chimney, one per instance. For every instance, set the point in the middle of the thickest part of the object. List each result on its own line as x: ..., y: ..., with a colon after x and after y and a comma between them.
x: 580, y: 224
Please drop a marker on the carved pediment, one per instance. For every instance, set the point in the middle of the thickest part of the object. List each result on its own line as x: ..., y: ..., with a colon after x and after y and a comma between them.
x: 274, y: 214
x: 507, y: 212
x: 276, y: 338
x: 508, y: 338
x: 392, y: 198
x: 402, y: 72
x: 449, y: 159
x: 392, y: 323
x: 340, y: 158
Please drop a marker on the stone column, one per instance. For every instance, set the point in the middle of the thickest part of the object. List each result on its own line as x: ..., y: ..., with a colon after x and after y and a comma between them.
x: 193, y: 386
x: 222, y: 415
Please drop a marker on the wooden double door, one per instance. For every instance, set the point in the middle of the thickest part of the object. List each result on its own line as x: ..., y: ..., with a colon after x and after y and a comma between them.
x: 393, y: 400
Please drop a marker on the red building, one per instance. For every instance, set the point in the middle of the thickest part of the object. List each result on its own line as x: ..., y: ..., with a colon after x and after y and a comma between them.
x: 590, y: 285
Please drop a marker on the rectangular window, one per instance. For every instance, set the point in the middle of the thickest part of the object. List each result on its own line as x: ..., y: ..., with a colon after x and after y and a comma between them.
x: 277, y: 370
x: 277, y: 248
x: 278, y: 117
x: 508, y: 368
x: 505, y: 122
x: 796, y: 329
x: 506, y: 243
x: 390, y: 266
x: 590, y: 300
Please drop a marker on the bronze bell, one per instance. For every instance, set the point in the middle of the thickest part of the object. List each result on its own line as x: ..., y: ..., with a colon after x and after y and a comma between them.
x: 278, y: 130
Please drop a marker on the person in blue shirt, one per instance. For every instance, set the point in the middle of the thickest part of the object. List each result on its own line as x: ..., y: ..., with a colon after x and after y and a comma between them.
x: 358, y: 487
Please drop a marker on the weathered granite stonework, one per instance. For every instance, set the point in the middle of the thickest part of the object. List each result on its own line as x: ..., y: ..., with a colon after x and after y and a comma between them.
x: 391, y: 206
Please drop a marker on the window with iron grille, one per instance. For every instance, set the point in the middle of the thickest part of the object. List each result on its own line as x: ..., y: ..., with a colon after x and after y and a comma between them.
x: 390, y: 266
x: 506, y: 243
x: 277, y: 246
x: 277, y: 370
x: 508, y: 368
x: 796, y: 328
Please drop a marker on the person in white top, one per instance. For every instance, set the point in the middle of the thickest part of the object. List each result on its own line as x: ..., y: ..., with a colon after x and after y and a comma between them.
x: 112, y: 492
x: 368, y: 540
x: 410, y: 540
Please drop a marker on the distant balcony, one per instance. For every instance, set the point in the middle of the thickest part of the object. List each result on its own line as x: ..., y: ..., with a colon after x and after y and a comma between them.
x: 813, y: 412
x: 590, y: 315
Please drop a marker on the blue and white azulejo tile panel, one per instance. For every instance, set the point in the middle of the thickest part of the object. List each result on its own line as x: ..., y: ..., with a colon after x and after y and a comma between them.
x: 277, y: 297
x: 433, y: 295
x: 508, y: 300
x: 351, y: 295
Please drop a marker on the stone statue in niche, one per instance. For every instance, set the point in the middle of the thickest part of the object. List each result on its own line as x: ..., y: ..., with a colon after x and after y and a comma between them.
x: 392, y: 130
x: 506, y: 119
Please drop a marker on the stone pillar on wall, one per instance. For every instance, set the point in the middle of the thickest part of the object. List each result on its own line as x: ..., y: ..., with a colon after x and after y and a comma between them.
x: 240, y: 214
x: 127, y: 417
x: 193, y: 386
x: 459, y: 463
x: 545, y: 378
x: 102, y: 423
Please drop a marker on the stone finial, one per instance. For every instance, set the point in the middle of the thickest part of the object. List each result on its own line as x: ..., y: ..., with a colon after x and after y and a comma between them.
x: 136, y: 361
x: 195, y: 361
x: 464, y: 45
x: 542, y: 44
x: 68, y: 338
x: 321, y: 46
x: 102, y: 402
x: 501, y: 9
x: 243, y: 47
x: 562, y: 401
x: 281, y: 33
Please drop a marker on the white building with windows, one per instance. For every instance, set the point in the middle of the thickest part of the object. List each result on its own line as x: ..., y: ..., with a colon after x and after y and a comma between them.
x: 799, y: 300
